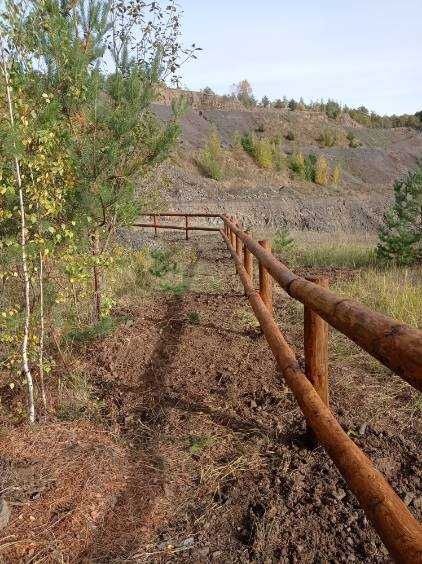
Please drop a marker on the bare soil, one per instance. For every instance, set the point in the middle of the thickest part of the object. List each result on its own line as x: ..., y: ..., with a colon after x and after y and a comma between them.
x: 200, y: 453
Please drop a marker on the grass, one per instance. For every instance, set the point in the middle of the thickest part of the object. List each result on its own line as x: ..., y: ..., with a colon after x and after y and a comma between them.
x: 194, y: 317
x: 101, y: 329
x: 334, y: 255
x: 336, y: 250
x: 362, y: 387
x: 246, y: 318
x: 396, y: 292
x: 197, y: 444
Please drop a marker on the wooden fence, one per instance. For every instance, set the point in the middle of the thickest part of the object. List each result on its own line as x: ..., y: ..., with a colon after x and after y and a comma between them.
x: 396, y: 345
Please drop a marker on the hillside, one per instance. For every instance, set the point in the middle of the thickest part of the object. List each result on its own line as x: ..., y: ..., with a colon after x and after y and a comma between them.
x: 281, y: 198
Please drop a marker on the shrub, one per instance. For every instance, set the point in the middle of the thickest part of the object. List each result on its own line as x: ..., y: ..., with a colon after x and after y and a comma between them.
x: 353, y: 141
x: 247, y: 142
x: 336, y: 175
x: 279, y: 159
x: 400, y: 236
x: 211, y: 158
x: 263, y: 152
x: 321, y: 171
x: 361, y: 117
x: 292, y: 105
x: 328, y: 138
x: 309, y: 168
x: 290, y: 136
x: 297, y: 164
x: 283, y: 241
x: 332, y: 109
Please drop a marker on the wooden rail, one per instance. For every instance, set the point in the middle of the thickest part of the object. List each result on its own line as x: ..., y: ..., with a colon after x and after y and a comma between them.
x: 396, y: 345
x: 156, y: 225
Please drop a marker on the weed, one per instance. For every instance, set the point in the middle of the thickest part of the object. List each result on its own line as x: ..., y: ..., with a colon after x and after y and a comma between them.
x: 263, y: 153
x: 336, y: 255
x: 282, y: 241
x: 321, y: 171
x: 354, y: 142
x: 397, y: 292
x: 310, y: 168
x: 193, y: 317
x: 198, y: 443
x: 328, y: 138
x: 246, y: 318
x: 211, y: 159
x: 336, y: 175
x: 297, y: 164
x: 163, y: 263
x: 176, y: 288
x: 101, y: 329
x: 77, y: 399
x: 247, y: 143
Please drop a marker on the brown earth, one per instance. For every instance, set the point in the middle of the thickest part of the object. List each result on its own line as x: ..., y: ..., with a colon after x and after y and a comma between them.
x: 199, y: 454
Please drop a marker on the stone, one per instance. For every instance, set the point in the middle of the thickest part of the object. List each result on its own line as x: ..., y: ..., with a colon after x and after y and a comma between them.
x: 5, y: 513
x: 188, y: 542
x: 340, y: 494
x: 409, y: 498
x: 362, y: 429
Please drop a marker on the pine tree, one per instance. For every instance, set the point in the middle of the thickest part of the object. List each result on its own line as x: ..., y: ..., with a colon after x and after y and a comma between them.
x: 400, y: 236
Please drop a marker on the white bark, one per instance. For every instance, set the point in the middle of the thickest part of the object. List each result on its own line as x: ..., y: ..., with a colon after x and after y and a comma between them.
x: 42, y: 332
x: 25, y: 362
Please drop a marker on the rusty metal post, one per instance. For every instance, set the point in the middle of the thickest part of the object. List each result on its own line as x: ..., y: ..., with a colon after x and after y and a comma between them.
x: 154, y: 217
x: 187, y: 227
x: 265, y: 281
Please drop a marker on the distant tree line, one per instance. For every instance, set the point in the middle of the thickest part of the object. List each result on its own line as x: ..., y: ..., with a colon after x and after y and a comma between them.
x: 242, y: 92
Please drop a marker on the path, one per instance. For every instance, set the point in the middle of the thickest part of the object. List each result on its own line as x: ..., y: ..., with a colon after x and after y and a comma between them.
x: 219, y: 469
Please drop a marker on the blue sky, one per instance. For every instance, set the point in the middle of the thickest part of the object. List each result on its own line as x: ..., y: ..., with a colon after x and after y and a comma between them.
x: 354, y: 51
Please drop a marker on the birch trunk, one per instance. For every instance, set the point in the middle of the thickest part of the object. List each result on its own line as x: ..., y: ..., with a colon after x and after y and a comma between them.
x: 25, y: 362
x: 96, y: 277
x: 42, y: 332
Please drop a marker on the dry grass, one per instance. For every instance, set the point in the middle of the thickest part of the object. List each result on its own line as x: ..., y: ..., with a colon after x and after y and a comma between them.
x: 396, y: 292
x: 61, y: 481
x: 360, y: 384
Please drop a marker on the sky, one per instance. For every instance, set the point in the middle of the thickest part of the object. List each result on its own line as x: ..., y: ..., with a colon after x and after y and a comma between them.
x: 353, y: 51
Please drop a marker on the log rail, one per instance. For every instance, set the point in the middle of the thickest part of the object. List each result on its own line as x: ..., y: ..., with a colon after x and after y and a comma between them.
x: 396, y: 345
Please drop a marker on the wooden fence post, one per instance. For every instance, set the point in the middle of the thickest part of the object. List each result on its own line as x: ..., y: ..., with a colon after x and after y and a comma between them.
x: 232, y: 234
x: 239, y: 246
x: 187, y: 227
x: 316, y: 349
x: 155, y: 225
x: 248, y: 261
x: 265, y: 280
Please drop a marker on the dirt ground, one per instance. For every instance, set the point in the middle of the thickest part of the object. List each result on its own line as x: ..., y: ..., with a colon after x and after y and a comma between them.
x: 207, y: 454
